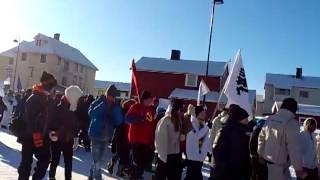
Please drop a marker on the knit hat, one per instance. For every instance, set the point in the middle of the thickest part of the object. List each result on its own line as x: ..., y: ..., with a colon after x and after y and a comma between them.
x: 198, y: 110
x: 48, y: 78
x: 112, y: 91
x: 145, y: 95
x: 237, y: 113
x: 73, y: 93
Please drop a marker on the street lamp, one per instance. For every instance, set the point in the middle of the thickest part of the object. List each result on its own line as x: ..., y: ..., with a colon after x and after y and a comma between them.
x: 214, y: 2
x: 17, y: 40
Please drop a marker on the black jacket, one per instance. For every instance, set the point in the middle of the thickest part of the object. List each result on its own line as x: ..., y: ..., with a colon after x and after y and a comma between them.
x: 64, y: 122
x: 231, y: 153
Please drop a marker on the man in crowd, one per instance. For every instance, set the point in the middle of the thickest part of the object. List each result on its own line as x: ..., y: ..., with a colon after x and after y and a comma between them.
x: 280, y: 143
x: 141, y: 118
x: 35, y: 141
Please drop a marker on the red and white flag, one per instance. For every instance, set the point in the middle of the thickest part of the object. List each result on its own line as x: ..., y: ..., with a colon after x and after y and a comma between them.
x: 134, y: 79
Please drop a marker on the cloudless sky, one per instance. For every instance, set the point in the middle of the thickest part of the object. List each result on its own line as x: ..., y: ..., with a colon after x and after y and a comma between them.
x: 275, y: 36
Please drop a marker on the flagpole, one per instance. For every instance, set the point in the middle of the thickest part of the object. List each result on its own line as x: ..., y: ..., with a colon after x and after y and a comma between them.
x: 210, y: 38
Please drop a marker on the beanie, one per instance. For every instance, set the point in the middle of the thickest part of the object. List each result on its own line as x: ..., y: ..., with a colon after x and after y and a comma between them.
x: 237, y: 113
x: 198, y: 110
x: 290, y: 104
x: 112, y: 91
x: 145, y: 95
x: 48, y: 78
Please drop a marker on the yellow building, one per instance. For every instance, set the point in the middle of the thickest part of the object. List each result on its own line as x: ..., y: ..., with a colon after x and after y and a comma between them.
x: 66, y: 63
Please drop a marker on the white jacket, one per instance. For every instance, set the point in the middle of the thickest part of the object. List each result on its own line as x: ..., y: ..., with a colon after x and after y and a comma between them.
x: 196, y: 151
x: 280, y: 140
x: 309, y: 150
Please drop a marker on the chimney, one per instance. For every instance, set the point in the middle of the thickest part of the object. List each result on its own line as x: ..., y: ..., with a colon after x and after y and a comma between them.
x: 175, y: 55
x: 57, y: 36
x: 299, y: 73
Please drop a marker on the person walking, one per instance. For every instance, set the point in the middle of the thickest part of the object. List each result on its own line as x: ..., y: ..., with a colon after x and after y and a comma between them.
x: 101, y: 129
x: 280, y: 143
x: 142, y: 124
x: 35, y: 139
x: 64, y: 132
x: 10, y: 102
x: 198, y: 145
x: 167, y: 144
x: 231, y: 147
x: 309, y: 150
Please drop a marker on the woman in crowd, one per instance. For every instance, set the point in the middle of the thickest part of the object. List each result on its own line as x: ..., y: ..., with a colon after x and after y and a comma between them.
x: 231, y: 147
x: 64, y: 131
x: 198, y: 144
x: 167, y: 143
x: 309, y: 149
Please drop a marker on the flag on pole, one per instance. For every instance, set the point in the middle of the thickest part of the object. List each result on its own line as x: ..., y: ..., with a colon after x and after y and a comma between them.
x: 203, y: 90
x: 236, y: 88
x: 19, y: 85
x: 134, y: 79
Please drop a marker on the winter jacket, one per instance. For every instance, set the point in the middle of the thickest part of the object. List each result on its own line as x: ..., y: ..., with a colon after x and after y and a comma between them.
x: 83, y: 116
x: 198, y: 144
x: 142, y: 124
x: 280, y: 140
x: 65, y: 122
x: 231, y: 152
x: 167, y: 139
x: 217, y: 124
x: 38, y: 112
x: 309, y: 150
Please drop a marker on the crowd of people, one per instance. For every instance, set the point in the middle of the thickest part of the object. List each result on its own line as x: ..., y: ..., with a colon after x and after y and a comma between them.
x: 144, y: 135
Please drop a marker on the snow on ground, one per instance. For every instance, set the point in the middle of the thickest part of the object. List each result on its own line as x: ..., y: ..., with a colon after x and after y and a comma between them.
x: 10, y: 158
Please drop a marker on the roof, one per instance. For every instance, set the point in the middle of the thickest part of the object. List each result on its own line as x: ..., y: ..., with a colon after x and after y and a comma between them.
x: 119, y: 85
x: 303, y: 109
x: 288, y: 81
x: 216, y: 68
x: 213, y: 96
x: 52, y: 46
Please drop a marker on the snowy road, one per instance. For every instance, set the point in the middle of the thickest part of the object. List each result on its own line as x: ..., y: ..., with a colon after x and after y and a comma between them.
x: 10, y: 158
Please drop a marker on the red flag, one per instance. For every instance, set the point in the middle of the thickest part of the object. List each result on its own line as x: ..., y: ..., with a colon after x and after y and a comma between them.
x: 134, y: 78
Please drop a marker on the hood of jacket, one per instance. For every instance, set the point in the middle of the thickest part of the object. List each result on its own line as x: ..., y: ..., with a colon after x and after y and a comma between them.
x: 73, y: 94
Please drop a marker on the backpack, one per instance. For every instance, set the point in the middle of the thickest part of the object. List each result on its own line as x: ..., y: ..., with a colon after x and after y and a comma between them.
x: 98, y: 117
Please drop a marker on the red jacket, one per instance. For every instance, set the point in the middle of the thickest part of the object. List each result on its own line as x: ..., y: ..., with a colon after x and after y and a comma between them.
x: 142, y: 124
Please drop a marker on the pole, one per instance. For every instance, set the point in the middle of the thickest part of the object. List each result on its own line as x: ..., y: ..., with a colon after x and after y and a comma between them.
x: 209, y: 49
x: 16, y: 65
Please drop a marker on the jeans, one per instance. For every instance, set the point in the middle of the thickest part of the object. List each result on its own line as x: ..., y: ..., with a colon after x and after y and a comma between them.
x: 67, y: 150
x: 99, y: 151
x: 43, y: 156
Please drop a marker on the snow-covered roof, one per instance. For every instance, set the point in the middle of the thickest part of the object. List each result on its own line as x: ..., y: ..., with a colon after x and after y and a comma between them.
x: 213, y: 96
x: 289, y: 81
x: 303, y: 109
x: 119, y: 85
x: 216, y: 68
x: 52, y: 46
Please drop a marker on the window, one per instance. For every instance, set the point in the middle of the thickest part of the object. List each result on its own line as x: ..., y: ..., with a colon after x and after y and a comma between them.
x: 74, y: 82
x: 9, y: 73
x: 191, y: 80
x: 38, y: 43
x: 304, y: 94
x: 31, y: 68
x: 59, y: 60
x: 64, y: 81
x: 285, y: 92
x: 76, y: 67
x: 11, y: 61
x: 23, y: 56
x: 66, y: 66
x: 43, y: 58
x: 81, y: 69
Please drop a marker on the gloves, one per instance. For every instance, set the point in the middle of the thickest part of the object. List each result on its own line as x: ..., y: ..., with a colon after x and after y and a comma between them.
x: 75, y: 143
x: 53, y: 136
x: 37, y: 139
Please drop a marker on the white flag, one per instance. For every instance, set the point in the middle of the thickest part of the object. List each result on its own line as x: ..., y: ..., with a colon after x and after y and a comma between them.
x: 203, y: 90
x: 236, y: 87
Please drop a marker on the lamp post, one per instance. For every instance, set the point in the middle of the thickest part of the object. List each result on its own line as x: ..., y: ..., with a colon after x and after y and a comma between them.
x: 17, y: 40
x: 214, y: 3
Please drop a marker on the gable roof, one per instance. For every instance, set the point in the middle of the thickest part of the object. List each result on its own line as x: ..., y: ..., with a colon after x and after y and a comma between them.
x: 288, y: 81
x: 119, y: 85
x: 52, y: 46
x: 216, y: 68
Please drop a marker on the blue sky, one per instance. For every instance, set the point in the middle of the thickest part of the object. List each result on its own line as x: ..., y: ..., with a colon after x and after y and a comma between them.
x: 275, y: 36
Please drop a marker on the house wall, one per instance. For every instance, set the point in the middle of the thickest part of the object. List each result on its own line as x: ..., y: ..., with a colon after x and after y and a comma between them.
x: 101, y: 91
x: 162, y: 84
x: 29, y: 77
